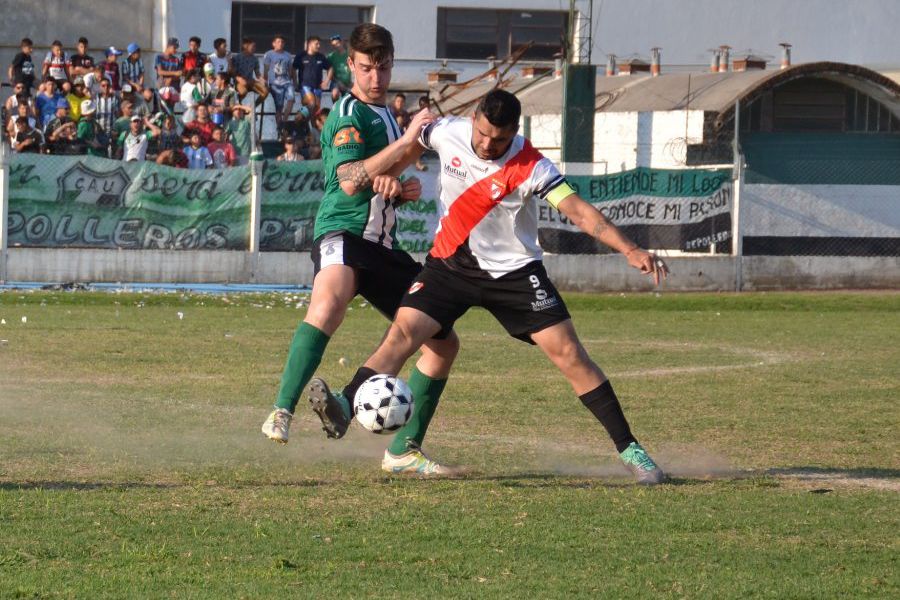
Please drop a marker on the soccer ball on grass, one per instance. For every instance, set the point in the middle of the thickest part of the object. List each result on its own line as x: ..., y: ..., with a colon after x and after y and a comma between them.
x: 383, y: 403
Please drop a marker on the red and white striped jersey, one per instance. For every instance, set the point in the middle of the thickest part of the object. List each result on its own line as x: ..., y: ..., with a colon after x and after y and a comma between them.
x: 489, y: 223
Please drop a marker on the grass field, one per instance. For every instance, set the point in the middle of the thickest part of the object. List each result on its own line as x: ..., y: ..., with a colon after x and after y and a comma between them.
x: 131, y: 463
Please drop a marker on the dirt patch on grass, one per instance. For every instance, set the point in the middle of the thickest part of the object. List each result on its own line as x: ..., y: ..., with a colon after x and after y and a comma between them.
x: 840, y: 478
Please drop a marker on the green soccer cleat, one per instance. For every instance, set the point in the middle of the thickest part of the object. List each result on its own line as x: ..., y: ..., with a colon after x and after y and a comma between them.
x: 415, y: 462
x: 641, y: 465
x: 333, y: 410
x: 278, y: 425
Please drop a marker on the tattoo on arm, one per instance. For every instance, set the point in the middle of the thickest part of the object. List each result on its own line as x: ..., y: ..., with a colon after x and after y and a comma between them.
x: 355, y: 173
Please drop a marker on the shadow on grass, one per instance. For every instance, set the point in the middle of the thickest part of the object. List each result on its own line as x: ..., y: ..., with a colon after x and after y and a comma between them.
x: 826, y: 472
x: 148, y: 485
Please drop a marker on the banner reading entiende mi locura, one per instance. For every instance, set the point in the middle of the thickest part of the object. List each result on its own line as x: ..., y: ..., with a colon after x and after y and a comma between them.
x: 687, y: 210
x: 88, y: 202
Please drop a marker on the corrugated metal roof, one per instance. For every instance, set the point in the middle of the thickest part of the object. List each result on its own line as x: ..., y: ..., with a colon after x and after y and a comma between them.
x: 715, y: 92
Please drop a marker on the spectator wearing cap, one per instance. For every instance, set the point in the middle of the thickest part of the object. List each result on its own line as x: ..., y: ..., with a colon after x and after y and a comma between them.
x: 107, y: 108
x: 56, y: 63
x: 208, y: 82
x: 82, y: 62
x: 238, y: 129
x: 28, y: 138
x: 220, y: 59
x: 246, y: 73
x: 111, y: 67
x: 197, y: 153
x: 290, y: 150
x: 76, y: 97
x: 129, y: 95
x: 46, y: 100
x: 89, y: 132
x: 136, y: 140
x: 60, y: 132
x: 169, y: 67
x: 193, y: 58
x: 132, y: 68
x: 222, y: 151
x: 21, y: 70
x: 337, y: 58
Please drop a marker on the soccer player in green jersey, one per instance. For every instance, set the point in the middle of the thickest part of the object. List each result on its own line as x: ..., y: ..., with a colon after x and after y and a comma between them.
x: 363, y: 153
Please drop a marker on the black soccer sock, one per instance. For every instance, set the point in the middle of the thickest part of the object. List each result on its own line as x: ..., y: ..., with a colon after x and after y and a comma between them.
x: 360, y: 378
x: 602, y: 401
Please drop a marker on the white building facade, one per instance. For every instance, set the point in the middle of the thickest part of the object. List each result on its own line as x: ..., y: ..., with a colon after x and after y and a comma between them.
x: 466, y: 32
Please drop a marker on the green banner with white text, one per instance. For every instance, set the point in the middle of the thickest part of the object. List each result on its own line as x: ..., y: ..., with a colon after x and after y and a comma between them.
x: 88, y: 202
x: 685, y: 209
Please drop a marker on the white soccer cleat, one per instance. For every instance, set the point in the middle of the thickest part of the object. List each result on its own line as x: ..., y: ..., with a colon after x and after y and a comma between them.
x: 277, y: 426
x: 415, y: 462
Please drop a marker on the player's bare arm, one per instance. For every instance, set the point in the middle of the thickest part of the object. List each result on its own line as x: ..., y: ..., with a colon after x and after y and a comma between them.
x: 591, y: 221
x: 358, y: 175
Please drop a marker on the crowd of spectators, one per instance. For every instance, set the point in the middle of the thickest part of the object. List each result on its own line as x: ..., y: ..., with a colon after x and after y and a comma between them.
x: 193, y: 110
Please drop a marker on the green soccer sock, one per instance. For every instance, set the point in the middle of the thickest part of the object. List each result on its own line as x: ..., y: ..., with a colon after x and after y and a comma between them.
x: 426, y: 392
x: 303, y: 359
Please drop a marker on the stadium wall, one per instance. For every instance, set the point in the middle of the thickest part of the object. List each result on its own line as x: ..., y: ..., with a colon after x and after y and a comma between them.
x: 584, y: 273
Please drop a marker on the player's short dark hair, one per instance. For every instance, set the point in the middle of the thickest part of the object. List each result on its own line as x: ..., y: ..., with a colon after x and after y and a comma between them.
x: 219, y: 42
x: 245, y: 41
x: 56, y: 43
x: 374, y: 41
x: 500, y: 108
x: 278, y: 36
x: 83, y: 40
x: 194, y: 38
x: 26, y: 42
x: 400, y: 95
x: 313, y: 38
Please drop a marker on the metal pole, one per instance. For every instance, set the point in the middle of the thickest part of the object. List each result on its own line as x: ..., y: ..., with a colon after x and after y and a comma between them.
x: 738, y: 179
x: 256, y: 172
x: 4, y: 207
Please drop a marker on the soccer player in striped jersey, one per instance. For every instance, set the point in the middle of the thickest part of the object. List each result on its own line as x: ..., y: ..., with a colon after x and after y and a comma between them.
x: 363, y: 153
x: 486, y: 254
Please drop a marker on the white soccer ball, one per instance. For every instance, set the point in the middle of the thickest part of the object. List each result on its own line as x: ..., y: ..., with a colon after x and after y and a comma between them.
x: 383, y: 403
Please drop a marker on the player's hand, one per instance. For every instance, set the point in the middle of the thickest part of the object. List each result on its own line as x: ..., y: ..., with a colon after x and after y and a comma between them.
x: 419, y: 120
x: 411, y: 189
x: 387, y: 186
x: 648, y: 264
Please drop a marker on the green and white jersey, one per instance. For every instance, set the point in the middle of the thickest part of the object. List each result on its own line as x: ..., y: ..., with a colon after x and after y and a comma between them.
x: 355, y: 131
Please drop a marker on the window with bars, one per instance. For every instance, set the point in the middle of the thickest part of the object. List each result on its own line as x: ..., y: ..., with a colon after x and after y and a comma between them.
x: 476, y: 34
x: 260, y: 21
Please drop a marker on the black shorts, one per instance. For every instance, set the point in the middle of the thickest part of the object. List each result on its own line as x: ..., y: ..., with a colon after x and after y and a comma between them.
x: 382, y: 275
x: 524, y: 301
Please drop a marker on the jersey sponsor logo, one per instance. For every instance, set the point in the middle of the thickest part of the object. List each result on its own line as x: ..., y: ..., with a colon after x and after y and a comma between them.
x: 482, y: 169
x: 456, y: 162
x: 539, y: 305
x: 376, y: 121
x: 348, y: 135
x: 452, y: 171
x: 415, y: 287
